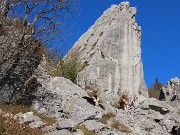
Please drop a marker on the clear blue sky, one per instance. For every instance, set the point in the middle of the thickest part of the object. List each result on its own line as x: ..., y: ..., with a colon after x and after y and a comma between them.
x: 160, y: 22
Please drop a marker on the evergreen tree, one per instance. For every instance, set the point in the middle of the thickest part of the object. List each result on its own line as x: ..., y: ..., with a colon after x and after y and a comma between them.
x: 157, y: 84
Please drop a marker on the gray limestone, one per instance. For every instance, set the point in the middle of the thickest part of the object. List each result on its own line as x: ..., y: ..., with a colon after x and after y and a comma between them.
x: 111, y: 53
x: 172, y: 92
x: 19, y: 57
x: 60, y: 98
x: 28, y: 118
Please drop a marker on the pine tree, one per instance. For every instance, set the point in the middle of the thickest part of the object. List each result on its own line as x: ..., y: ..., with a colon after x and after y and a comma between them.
x: 157, y: 84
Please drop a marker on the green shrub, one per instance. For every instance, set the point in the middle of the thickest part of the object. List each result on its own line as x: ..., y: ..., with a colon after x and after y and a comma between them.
x: 69, y: 67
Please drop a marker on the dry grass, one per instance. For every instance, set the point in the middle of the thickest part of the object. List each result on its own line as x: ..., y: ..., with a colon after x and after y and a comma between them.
x: 45, y: 119
x: 16, y: 108
x: 178, y: 112
x: 106, y: 117
x: 83, y: 128
x: 4, y: 31
x: 120, y: 126
x: 109, y: 117
x: 10, y: 126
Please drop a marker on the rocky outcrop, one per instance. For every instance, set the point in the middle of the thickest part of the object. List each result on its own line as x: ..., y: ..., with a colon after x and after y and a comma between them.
x: 171, y: 92
x: 60, y: 98
x: 110, y: 53
x: 23, y: 119
x: 20, y: 55
x: 75, y: 114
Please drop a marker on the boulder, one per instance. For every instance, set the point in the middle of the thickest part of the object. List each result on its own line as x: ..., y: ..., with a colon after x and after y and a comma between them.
x: 61, y: 98
x: 172, y: 92
x: 93, y: 125
x: 28, y: 118
x: 67, y: 124
x: 110, y: 53
x: 154, y: 104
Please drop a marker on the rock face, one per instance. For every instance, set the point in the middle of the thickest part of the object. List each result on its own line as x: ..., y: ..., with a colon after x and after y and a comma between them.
x: 111, y: 54
x: 65, y: 101
x: 19, y: 57
x: 59, y: 97
x: 171, y: 92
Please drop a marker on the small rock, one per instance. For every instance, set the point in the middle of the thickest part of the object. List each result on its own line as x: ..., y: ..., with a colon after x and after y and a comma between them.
x: 29, y: 119
x: 66, y: 123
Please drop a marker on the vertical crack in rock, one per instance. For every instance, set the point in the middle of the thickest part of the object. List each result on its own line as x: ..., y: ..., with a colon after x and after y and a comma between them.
x: 115, y: 66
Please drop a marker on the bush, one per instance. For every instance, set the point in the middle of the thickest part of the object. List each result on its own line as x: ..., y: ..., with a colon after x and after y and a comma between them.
x: 69, y: 67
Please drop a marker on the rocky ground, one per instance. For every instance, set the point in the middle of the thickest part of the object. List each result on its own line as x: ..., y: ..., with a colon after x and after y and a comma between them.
x: 75, y: 111
x: 111, y: 52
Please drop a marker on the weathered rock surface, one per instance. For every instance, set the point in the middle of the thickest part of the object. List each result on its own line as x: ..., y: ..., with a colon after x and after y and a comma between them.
x: 171, y: 92
x: 156, y: 105
x: 111, y: 53
x: 28, y: 118
x: 60, y: 98
x: 19, y: 57
x: 64, y: 100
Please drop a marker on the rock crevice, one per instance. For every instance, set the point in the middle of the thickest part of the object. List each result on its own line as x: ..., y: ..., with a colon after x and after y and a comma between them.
x: 112, y: 48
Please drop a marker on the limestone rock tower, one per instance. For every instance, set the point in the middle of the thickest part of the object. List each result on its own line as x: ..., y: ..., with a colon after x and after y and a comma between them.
x: 111, y: 53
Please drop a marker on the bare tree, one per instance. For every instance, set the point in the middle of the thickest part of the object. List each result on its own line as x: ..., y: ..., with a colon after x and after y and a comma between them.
x: 20, y: 52
x: 47, y: 16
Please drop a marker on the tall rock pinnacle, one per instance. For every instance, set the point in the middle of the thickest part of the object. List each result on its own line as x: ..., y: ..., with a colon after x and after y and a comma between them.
x: 111, y: 53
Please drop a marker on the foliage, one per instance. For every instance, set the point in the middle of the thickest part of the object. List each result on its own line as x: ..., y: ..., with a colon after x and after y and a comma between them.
x: 157, y: 84
x: 69, y: 67
x: 154, y: 90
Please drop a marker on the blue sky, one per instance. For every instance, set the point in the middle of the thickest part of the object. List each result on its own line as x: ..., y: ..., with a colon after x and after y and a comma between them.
x: 160, y: 22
